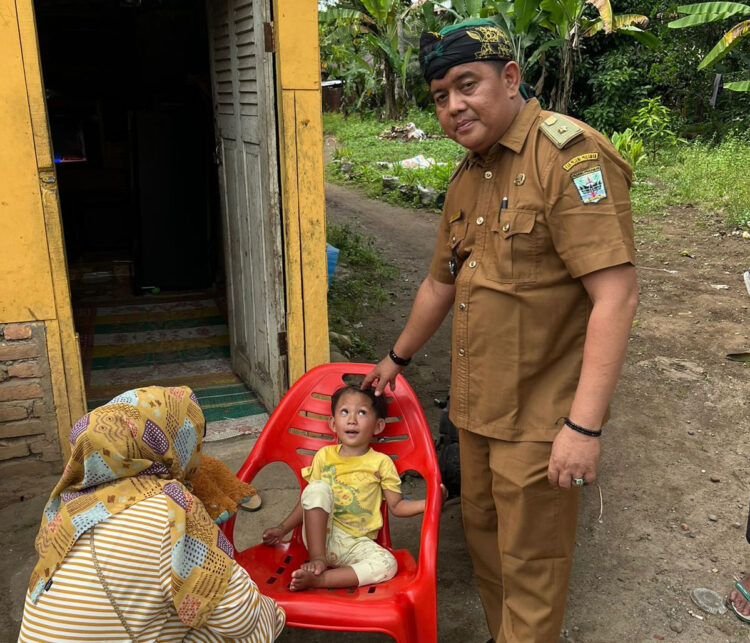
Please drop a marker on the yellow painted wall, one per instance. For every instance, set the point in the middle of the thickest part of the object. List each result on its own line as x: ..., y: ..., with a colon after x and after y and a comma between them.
x: 33, y: 272
x: 302, y: 186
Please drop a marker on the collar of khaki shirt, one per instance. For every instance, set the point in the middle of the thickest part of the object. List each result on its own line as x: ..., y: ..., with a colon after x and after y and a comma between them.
x: 514, y: 137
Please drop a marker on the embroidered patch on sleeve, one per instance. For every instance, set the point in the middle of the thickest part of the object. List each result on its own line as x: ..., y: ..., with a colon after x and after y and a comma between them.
x: 590, y: 184
x: 590, y: 156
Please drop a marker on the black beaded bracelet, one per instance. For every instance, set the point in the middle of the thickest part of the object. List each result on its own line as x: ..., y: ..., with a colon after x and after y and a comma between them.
x: 401, y: 361
x: 580, y: 429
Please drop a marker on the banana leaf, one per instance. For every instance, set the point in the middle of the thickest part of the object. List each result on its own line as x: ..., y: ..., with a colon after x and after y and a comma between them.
x: 555, y: 42
x: 644, y: 37
x: 605, y: 11
x: 713, y: 7
x: 620, y: 22
x: 524, y: 12
x: 334, y: 13
x: 728, y: 41
x: 738, y: 86
x: 378, y: 9
x: 705, y: 12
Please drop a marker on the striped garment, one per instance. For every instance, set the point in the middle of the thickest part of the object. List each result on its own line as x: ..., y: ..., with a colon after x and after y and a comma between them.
x: 134, y: 553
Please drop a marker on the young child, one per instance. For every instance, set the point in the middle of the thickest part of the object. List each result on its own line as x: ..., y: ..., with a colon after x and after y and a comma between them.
x: 340, y: 507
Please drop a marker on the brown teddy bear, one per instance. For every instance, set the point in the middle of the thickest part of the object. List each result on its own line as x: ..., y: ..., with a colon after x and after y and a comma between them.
x: 220, y: 491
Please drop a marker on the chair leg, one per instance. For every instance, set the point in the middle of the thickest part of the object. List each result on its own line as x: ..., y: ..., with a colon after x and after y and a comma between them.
x: 414, y: 625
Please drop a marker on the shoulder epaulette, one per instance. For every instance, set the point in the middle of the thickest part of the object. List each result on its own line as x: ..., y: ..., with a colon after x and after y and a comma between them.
x: 459, y: 167
x: 560, y: 130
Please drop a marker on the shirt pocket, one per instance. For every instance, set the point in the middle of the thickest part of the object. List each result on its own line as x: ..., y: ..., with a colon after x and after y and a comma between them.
x: 457, y: 224
x: 456, y: 246
x: 513, y: 247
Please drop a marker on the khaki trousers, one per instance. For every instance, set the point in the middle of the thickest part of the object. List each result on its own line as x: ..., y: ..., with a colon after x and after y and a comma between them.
x: 520, y: 533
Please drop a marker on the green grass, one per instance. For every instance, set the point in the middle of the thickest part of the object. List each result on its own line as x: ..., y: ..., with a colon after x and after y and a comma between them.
x: 358, y: 144
x: 356, y: 288
x: 712, y: 178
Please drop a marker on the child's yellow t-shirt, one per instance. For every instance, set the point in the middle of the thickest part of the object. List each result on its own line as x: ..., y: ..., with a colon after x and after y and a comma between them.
x: 357, y: 484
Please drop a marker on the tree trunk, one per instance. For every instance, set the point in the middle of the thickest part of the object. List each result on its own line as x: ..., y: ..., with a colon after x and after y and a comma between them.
x: 391, y: 107
x: 565, y: 80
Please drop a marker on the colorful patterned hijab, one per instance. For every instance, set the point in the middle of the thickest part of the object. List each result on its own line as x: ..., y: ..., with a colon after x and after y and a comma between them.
x: 143, y: 443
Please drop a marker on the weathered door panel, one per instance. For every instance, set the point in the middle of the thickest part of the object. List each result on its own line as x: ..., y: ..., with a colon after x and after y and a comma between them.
x: 244, y: 98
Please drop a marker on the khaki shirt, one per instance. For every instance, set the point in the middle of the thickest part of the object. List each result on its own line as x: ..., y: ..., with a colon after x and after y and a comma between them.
x: 521, y: 311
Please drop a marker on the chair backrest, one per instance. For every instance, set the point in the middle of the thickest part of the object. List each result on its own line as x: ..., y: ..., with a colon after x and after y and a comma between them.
x: 299, y: 427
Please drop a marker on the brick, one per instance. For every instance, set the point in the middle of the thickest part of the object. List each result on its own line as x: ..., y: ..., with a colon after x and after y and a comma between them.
x: 25, y: 369
x: 10, y: 352
x: 51, y: 453
x: 37, y: 410
x: 17, y: 331
x: 17, y: 450
x: 48, y: 449
x: 11, y: 413
x: 21, y: 429
x: 37, y: 445
x: 20, y: 392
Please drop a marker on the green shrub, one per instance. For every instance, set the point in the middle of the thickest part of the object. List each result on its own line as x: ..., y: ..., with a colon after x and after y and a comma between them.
x: 629, y: 146
x: 654, y: 123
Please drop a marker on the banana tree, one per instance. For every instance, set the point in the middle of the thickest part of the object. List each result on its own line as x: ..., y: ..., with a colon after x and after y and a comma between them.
x: 567, y: 20
x: 521, y: 21
x: 705, y: 12
x: 381, y: 23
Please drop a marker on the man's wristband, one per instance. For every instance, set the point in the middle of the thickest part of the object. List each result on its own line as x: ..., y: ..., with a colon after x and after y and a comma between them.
x: 580, y: 429
x: 401, y: 361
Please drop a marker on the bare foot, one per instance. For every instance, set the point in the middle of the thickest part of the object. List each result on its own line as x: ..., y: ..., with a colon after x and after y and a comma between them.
x: 741, y: 604
x: 302, y: 579
x: 316, y: 565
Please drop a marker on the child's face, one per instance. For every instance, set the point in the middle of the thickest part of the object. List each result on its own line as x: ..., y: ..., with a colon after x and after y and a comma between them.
x: 354, y: 421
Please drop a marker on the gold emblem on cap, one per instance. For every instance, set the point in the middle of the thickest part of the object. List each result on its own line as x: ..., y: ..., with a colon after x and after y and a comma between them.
x: 551, y: 120
x: 520, y: 179
x: 562, y: 130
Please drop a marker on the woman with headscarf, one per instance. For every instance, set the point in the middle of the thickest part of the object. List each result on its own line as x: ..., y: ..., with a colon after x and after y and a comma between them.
x: 126, y: 552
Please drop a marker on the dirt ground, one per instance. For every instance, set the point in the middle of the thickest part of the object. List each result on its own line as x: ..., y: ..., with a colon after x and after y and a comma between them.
x: 681, y: 419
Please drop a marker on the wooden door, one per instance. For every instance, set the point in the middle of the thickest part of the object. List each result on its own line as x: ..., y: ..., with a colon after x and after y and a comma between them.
x: 243, y: 90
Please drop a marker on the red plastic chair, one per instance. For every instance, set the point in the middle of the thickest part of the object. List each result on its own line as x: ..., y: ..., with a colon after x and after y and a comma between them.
x: 404, y: 607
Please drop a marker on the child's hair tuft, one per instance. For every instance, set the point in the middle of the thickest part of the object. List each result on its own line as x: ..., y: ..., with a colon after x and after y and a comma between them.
x: 379, y: 404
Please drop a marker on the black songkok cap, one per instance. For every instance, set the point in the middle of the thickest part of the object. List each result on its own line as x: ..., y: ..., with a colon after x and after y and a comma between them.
x: 466, y: 42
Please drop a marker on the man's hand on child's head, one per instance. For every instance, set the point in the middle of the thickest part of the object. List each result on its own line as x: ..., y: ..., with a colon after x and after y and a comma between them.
x: 273, y: 535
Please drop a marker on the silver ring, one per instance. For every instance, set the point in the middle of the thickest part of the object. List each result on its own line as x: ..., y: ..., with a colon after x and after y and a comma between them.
x: 578, y: 482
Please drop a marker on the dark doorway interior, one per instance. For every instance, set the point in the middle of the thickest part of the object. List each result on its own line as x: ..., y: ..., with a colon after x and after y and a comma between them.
x: 129, y: 101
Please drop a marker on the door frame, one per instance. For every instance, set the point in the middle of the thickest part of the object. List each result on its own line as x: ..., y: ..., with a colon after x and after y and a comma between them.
x: 294, y: 33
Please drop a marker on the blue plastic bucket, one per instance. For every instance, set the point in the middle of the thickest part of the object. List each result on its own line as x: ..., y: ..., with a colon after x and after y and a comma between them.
x: 332, y: 255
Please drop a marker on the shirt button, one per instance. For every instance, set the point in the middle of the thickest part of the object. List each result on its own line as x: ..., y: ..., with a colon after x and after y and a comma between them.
x: 472, y: 264
x: 453, y: 239
x: 462, y: 306
x: 480, y: 220
x: 461, y: 352
x: 506, y: 227
x: 488, y: 175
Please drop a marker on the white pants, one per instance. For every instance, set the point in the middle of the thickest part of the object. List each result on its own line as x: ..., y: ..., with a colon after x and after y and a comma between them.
x: 370, y: 562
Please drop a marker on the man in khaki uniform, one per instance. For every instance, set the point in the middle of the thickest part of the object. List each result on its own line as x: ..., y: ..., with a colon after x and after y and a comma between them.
x: 535, y: 254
